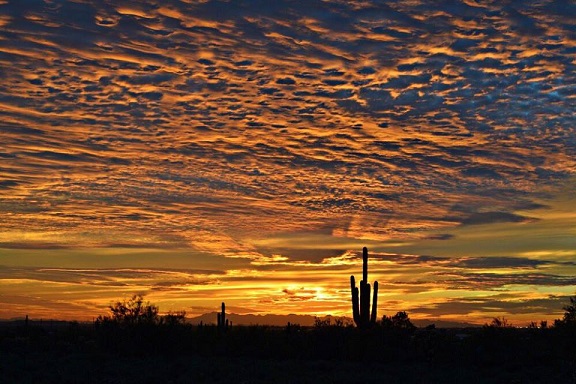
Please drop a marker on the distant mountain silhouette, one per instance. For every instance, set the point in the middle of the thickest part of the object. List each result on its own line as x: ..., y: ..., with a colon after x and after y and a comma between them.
x: 305, y: 320
x: 250, y: 319
x: 268, y: 319
x: 444, y: 324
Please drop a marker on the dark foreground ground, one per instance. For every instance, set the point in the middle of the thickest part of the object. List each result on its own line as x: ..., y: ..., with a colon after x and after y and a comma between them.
x: 60, y: 368
x: 73, y: 353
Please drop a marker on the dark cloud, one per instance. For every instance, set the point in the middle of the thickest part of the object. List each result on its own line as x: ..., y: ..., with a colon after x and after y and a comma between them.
x: 32, y: 245
x: 494, y: 217
x: 489, y: 262
x: 118, y: 277
x: 441, y: 236
x: 493, y: 262
x: 490, y: 280
x: 505, y: 306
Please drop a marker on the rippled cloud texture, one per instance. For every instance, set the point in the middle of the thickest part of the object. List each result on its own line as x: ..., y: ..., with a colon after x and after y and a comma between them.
x: 245, y: 151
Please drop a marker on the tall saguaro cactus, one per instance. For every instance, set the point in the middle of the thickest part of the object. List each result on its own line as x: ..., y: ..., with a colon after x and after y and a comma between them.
x: 221, y: 317
x: 361, y: 298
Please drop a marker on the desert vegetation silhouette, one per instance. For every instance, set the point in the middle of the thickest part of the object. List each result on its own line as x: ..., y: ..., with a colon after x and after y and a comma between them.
x: 134, y: 334
x: 221, y: 321
x: 361, y: 297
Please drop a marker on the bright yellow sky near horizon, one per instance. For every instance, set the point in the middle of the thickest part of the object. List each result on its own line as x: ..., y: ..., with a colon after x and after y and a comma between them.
x: 461, y: 279
x: 205, y: 151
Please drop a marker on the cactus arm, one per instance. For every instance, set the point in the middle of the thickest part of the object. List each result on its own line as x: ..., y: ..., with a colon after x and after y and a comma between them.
x: 374, y: 304
x: 355, y: 301
x: 365, y: 264
x: 362, y: 302
x: 223, y: 315
x: 365, y: 302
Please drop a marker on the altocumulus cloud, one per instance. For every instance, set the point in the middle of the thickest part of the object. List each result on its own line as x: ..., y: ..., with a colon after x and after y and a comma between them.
x: 212, y: 125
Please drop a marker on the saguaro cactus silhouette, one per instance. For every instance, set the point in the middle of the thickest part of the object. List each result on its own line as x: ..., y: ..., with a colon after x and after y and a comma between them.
x: 221, y: 318
x: 361, y: 298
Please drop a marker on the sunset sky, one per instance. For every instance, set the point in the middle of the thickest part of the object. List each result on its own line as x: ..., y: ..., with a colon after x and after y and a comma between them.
x: 200, y: 151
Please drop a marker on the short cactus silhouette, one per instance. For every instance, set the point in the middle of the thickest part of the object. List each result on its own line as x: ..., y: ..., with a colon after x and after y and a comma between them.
x: 361, y: 298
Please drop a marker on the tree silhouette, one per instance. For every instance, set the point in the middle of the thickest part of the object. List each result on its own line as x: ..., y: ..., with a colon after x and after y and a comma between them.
x: 173, y: 318
x: 400, y: 320
x: 133, y: 311
x: 499, y: 322
x: 569, y: 318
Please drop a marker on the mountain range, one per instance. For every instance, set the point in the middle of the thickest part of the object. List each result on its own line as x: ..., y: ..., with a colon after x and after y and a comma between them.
x: 307, y: 320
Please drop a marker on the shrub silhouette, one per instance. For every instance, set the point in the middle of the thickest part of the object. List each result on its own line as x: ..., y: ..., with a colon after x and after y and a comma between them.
x: 173, y: 318
x: 318, y: 322
x: 400, y: 320
x: 133, y: 311
x: 499, y: 322
x: 135, y: 327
